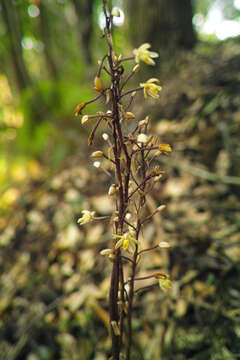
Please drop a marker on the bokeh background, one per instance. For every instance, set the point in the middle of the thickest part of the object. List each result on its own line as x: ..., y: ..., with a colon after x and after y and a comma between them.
x: 54, y: 283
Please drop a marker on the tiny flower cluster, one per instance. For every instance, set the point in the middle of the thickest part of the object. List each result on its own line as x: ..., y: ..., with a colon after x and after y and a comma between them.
x: 87, y: 217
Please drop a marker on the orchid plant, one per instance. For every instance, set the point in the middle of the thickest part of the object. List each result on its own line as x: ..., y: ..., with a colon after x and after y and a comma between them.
x: 132, y: 156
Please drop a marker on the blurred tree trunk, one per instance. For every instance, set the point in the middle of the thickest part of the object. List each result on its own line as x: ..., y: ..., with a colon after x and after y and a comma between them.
x: 44, y: 23
x: 36, y: 108
x: 167, y: 25
x: 13, y: 27
x: 84, y: 10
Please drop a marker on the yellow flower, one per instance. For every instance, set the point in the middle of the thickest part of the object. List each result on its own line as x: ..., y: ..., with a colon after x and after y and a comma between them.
x: 151, y: 89
x: 126, y: 240
x: 143, y: 54
x: 164, y: 281
x: 165, y: 285
x: 165, y: 148
x: 87, y: 217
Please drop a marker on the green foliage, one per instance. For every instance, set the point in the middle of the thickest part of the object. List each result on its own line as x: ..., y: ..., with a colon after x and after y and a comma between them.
x: 35, y: 130
x: 230, y: 12
x: 202, y: 6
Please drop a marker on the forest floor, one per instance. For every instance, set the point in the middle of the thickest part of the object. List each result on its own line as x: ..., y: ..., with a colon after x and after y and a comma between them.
x: 54, y: 283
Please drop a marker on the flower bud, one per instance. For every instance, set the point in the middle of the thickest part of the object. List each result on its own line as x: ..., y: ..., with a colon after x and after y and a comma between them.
x: 97, y: 164
x: 98, y: 84
x: 136, y: 68
x: 128, y: 216
x: 97, y: 154
x: 133, y: 94
x: 147, y: 119
x: 142, y: 138
x: 79, y: 109
x: 157, y: 178
x: 164, y: 244
x: 142, y: 123
x: 125, y: 307
x: 106, y: 252
x: 161, y: 208
x: 112, y: 190
x: 160, y: 276
x: 105, y: 136
x: 115, y: 12
x: 85, y: 118
x: 158, y: 171
x: 129, y: 115
x: 108, y: 92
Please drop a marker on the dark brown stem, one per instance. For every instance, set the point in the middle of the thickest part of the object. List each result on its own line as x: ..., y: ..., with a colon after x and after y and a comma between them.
x: 127, y: 79
x: 128, y: 259
x: 122, y: 302
x: 145, y: 288
x: 130, y: 103
x: 131, y: 91
x: 101, y: 66
x: 106, y: 157
x: 130, y: 300
x: 113, y: 307
x: 142, y: 278
x: 127, y: 58
x: 148, y: 249
x: 145, y: 277
x: 117, y: 279
x: 150, y: 216
x: 143, y: 197
x: 145, y: 149
x: 105, y: 69
x: 92, y: 100
x: 132, y: 226
x: 135, y: 256
x: 141, y: 185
